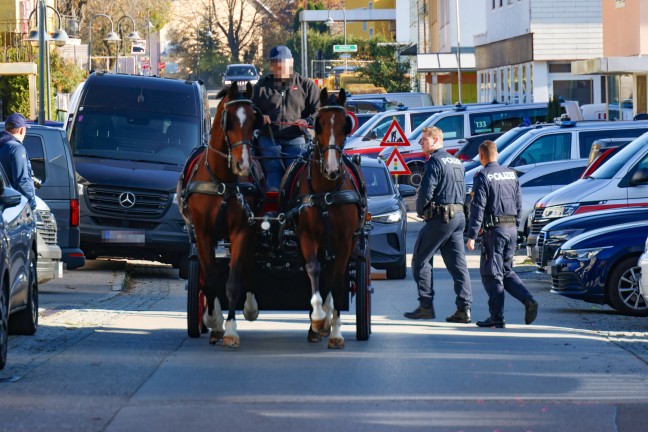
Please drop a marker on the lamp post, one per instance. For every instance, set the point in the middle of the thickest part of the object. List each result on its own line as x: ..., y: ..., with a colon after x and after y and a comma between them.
x: 112, y: 37
x: 330, y: 21
x: 134, y: 35
x: 458, y: 50
x: 40, y: 36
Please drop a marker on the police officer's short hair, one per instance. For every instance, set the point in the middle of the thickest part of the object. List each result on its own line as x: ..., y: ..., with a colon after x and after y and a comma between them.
x: 488, y: 148
x: 433, y: 131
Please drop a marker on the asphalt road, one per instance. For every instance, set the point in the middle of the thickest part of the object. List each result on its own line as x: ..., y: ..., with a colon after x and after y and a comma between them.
x: 112, y: 360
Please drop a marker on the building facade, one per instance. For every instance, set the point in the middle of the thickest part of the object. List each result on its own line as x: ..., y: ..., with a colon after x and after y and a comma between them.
x: 370, y: 29
x: 526, y: 52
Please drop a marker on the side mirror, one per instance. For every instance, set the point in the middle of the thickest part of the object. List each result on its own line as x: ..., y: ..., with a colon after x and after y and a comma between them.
x: 406, y: 190
x: 639, y: 177
x: 370, y: 136
x: 8, y: 197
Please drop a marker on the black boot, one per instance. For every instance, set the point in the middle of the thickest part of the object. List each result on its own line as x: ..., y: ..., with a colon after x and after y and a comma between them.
x: 530, y: 310
x: 492, y: 323
x: 421, y: 313
x: 460, y: 316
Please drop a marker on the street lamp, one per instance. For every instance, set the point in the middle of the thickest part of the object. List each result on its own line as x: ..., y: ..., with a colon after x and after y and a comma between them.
x: 330, y: 21
x: 111, y: 37
x: 40, y: 36
x: 134, y: 35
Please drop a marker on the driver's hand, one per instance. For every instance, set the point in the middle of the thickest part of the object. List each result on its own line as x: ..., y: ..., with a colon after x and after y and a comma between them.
x: 266, y: 119
x: 303, y: 124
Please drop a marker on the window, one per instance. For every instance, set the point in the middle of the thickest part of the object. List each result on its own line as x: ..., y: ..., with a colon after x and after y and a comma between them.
x: 586, y: 139
x: 34, y: 147
x: 364, y: 25
x: 502, y: 121
x: 558, y: 178
x: 576, y: 90
x: 452, y: 127
x: 371, y: 33
x: 418, y: 118
x: 377, y: 180
x: 545, y: 149
x: 380, y: 129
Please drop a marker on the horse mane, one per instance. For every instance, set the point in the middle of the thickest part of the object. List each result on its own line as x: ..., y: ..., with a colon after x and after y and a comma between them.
x: 222, y: 93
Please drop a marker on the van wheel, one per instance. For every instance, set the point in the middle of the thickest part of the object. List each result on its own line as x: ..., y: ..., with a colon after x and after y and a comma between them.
x: 623, y: 289
x: 397, y: 271
x: 183, y: 268
x: 414, y: 179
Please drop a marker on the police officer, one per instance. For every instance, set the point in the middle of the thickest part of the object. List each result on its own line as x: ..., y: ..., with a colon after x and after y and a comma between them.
x: 497, y: 207
x: 289, y: 103
x: 13, y: 157
x: 439, y: 202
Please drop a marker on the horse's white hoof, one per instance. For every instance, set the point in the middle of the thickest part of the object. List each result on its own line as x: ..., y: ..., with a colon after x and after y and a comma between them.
x: 232, y: 342
x: 318, y: 325
x: 336, y: 343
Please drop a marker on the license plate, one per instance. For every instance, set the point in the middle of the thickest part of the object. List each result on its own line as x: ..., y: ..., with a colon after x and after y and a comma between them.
x: 123, y: 236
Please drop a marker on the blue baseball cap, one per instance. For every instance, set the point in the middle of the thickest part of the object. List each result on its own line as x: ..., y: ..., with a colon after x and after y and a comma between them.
x: 280, y: 52
x: 15, y: 121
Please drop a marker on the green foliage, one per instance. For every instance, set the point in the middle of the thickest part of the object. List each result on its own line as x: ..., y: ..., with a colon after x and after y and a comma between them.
x: 65, y: 74
x: 14, y: 91
x: 385, y: 70
x: 318, y: 27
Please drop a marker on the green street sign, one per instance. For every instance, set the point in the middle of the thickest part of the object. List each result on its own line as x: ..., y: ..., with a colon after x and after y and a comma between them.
x: 345, y: 48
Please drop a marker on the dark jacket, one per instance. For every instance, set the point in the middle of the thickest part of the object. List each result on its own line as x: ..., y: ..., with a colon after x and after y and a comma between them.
x: 443, y: 181
x: 496, y: 192
x: 16, y: 165
x: 286, y: 103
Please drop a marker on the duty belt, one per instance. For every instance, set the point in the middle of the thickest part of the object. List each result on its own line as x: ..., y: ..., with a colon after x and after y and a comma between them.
x: 501, y: 220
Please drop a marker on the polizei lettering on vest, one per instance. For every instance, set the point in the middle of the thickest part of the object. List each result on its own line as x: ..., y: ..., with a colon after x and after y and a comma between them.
x: 501, y: 176
x: 450, y: 160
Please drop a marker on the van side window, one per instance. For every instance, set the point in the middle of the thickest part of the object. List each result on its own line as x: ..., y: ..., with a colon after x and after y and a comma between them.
x: 545, y: 149
x: 418, y: 118
x: 560, y: 178
x: 452, y: 127
x: 381, y: 127
x: 586, y: 139
x: 643, y: 164
x: 34, y: 147
x: 503, y: 121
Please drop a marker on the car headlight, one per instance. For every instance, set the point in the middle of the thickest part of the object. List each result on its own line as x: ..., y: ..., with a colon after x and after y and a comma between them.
x: 564, y: 235
x: 560, y: 211
x: 582, y: 254
x: 174, y: 199
x: 253, y: 82
x: 80, y: 189
x: 468, y: 189
x: 227, y: 82
x: 391, y: 217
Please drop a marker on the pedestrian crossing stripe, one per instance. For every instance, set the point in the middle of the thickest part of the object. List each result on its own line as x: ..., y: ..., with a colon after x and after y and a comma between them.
x: 394, y: 136
x: 396, y: 164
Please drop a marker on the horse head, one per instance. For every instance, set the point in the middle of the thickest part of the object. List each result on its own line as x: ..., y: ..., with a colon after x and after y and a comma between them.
x: 237, y: 119
x: 332, y: 125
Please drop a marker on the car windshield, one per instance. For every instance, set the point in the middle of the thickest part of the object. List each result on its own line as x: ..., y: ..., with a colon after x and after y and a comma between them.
x: 377, y: 180
x: 241, y: 71
x: 369, y: 124
x: 134, y: 135
x: 612, y: 166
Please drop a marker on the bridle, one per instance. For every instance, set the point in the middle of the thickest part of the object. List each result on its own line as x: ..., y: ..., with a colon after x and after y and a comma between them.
x: 231, y: 146
x: 330, y: 147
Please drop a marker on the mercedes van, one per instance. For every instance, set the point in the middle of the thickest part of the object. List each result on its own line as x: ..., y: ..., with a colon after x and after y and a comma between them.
x: 130, y: 136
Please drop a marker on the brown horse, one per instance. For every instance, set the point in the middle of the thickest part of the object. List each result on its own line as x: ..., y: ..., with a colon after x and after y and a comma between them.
x: 329, y: 224
x: 223, y: 188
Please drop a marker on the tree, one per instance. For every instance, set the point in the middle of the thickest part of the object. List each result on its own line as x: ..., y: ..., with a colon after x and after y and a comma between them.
x: 385, y: 70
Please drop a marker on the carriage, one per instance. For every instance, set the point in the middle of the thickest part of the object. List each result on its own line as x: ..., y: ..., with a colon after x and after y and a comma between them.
x: 270, y: 256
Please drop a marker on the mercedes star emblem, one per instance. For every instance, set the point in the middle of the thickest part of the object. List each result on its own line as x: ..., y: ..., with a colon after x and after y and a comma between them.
x: 127, y: 199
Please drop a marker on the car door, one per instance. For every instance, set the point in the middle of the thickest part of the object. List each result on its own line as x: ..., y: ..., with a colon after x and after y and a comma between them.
x: 545, y: 148
x: 637, y: 194
x: 375, y: 135
x: 453, y: 130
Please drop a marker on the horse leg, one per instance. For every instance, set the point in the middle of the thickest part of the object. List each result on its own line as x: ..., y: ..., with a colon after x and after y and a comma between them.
x: 214, y: 321
x: 317, y: 316
x: 336, y: 340
x: 234, y: 284
x: 250, y: 308
x: 213, y: 316
x: 328, y: 310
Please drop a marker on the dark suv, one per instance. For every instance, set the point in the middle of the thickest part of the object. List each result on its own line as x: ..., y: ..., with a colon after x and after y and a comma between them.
x: 130, y: 136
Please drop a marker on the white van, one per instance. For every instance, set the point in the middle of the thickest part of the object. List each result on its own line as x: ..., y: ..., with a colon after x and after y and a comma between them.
x: 620, y: 182
x: 407, y: 99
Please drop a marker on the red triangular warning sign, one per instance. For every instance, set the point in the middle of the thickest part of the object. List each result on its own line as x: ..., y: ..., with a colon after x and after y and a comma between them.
x: 394, y: 136
x: 396, y: 164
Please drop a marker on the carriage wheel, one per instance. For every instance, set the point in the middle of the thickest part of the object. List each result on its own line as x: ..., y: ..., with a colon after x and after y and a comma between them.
x: 363, y: 298
x: 195, y: 300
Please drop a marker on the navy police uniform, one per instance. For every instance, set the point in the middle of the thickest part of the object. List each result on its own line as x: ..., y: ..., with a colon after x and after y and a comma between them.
x: 14, y: 160
x: 439, y: 202
x: 497, y: 207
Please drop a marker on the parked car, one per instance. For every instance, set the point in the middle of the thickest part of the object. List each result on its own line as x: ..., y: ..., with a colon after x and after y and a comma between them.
x: 49, y: 265
x: 241, y: 74
x: 408, y: 99
x: 52, y: 163
x: 18, y: 283
x: 363, y: 118
x: 366, y: 140
x: 369, y: 105
x: 600, y: 266
x: 556, y: 233
x: 387, y: 239
x: 130, y: 136
x: 621, y: 181
x: 470, y: 149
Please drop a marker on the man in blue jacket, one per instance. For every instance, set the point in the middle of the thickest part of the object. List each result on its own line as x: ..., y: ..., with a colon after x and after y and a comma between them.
x: 13, y: 157
x: 496, y: 207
